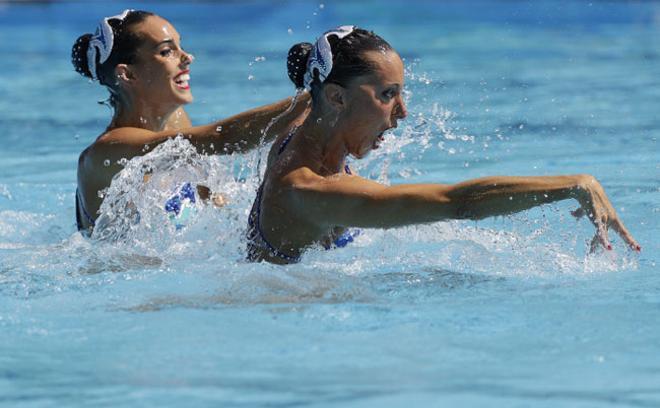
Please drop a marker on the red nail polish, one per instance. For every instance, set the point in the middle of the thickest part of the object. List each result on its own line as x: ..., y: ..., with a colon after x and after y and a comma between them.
x: 609, y: 247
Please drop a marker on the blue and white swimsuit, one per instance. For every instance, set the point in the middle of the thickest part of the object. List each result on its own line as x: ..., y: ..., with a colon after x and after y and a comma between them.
x: 180, y: 206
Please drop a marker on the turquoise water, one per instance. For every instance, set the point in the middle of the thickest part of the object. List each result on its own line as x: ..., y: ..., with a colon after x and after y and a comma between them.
x: 505, y: 312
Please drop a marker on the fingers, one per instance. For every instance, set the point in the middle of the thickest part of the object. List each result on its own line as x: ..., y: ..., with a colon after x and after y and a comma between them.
x: 598, y: 240
x: 601, y: 233
x: 602, y: 237
x: 618, y: 226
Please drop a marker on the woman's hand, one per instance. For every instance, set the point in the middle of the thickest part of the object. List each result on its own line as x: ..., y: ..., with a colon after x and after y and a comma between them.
x: 595, y: 204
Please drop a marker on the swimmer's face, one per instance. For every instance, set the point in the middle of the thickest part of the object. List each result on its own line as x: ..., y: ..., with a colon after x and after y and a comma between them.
x: 374, y: 103
x: 161, y: 72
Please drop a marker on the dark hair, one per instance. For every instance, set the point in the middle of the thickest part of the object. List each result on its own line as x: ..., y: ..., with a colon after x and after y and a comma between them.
x: 348, y: 59
x: 124, y: 49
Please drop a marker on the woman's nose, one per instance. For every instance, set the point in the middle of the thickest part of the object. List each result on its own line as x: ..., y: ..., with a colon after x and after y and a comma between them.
x: 400, y: 110
x: 187, y: 58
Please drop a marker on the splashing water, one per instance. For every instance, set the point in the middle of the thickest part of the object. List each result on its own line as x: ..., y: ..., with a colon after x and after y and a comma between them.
x: 135, y: 231
x: 263, y: 149
x: 136, y: 236
x: 133, y: 211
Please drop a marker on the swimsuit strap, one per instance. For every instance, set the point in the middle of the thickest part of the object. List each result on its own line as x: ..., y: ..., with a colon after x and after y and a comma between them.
x: 286, y: 141
x: 80, y: 206
x: 254, y: 220
x: 348, y: 235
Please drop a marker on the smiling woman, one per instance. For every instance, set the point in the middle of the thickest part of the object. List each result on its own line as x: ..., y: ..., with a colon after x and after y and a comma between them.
x: 309, y: 195
x: 139, y: 58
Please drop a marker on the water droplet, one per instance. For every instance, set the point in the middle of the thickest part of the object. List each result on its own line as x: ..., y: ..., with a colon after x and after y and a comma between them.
x: 106, y: 163
x: 321, y: 6
x: 289, y: 31
x: 218, y: 129
x: 123, y: 161
x: 250, y: 77
x: 319, y: 120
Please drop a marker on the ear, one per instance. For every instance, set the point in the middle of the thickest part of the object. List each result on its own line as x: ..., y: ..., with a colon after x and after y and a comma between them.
x: 123, y: 73
x: 336, y: 96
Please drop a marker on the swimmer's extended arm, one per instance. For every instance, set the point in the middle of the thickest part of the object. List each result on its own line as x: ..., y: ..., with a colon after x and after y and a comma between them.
x: 355, y: 201
x: 238, y: 133
x: 244, y: 131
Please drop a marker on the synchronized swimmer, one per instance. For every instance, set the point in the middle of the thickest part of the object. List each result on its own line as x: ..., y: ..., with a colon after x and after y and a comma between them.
x: 138, y: 57
x: 309, y: 196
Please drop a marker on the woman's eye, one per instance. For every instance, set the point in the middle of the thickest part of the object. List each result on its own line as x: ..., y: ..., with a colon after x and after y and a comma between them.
x: 389, y: 94
x: 166, y: 52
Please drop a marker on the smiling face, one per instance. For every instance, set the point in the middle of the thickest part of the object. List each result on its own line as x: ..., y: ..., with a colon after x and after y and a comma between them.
x: 374, y: 103
x: 160, y: 75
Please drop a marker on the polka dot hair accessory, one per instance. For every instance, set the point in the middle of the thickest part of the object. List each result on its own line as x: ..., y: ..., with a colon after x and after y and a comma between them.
x: 320, y: 59
x: 101, y: 43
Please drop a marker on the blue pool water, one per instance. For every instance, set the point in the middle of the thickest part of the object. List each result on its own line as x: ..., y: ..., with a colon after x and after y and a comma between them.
x: 511, y: 311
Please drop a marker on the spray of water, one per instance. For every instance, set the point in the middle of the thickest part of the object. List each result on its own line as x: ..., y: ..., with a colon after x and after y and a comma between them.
x: 136, y: 236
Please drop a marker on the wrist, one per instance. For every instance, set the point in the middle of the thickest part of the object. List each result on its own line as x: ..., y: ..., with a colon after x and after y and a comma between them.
x: 582, y: 185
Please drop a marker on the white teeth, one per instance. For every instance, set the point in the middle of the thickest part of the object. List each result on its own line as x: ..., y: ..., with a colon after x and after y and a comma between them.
x: 182, y: 78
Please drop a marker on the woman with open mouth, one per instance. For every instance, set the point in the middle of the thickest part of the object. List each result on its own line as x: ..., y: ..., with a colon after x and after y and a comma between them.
x: 139, y: 58
x: 309, y: 196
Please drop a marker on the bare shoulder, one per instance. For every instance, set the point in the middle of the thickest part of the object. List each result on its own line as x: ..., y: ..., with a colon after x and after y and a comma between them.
x: 305, y: 181
x: 301, y: 178
x: 126, y: 136
x: 100, y: 159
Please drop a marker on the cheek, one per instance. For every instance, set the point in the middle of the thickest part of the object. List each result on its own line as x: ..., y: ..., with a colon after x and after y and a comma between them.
x: 366, y: 110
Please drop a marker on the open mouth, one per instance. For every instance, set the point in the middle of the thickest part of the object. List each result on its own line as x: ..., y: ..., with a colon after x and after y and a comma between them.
x: 182, y: 80
x: 381, y: 137
x: 379, y: 140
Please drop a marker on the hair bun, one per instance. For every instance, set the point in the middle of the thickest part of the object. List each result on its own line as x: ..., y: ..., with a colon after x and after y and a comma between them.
x: 79, y: 55
x: 296, y: 63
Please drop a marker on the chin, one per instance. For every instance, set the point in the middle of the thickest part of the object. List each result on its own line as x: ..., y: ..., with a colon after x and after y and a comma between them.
x: 184, y: 100
x: 360, y: 155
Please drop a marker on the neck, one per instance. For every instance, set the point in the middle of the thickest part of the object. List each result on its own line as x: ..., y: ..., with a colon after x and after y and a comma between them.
x: 324, y: 143
x: 142, y: 115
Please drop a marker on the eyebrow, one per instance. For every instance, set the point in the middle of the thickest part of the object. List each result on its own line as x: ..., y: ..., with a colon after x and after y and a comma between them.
x: 167, y: 41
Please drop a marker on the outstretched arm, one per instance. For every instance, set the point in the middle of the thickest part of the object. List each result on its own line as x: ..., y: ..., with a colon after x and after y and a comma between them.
x: 245, y: 131
x: 354, y: 201
x: 100, y: 161
x: 237, y: 133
